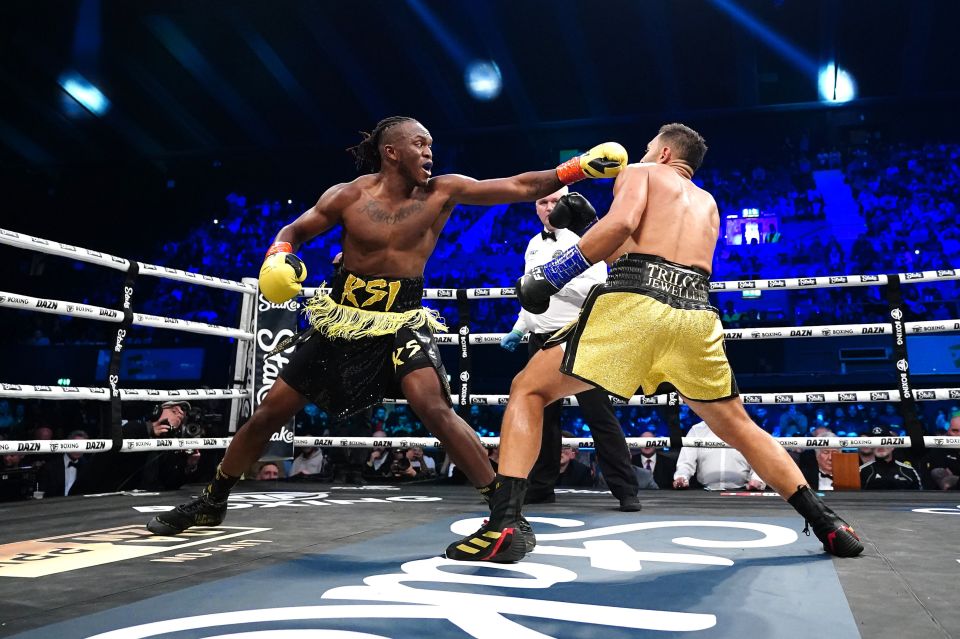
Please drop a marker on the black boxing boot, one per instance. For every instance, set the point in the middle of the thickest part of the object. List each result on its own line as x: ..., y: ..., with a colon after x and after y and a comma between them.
x: 529, y: 539
x: 500, y: 539
x: 837, y: 536
x: 209, y: 509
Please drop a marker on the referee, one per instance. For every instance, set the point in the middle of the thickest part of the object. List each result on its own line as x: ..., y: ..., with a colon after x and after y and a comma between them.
x: 613, y: 455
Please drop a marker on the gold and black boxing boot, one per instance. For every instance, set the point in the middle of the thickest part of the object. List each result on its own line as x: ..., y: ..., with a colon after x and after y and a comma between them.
x: 500, y: 539
x: 529, y: 539
x: 837, y: 536
x: 209, y: 509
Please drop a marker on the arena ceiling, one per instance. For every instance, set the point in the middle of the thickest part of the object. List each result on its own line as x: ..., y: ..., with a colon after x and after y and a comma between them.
x: 187, y: 78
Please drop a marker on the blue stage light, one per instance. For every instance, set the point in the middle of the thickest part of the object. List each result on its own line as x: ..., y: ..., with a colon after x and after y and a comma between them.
x: 86, y: 94
x: 836, y: 84
x: 483, y: 79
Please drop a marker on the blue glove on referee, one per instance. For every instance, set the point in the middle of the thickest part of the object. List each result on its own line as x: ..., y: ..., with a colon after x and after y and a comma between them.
x: 510, y: 340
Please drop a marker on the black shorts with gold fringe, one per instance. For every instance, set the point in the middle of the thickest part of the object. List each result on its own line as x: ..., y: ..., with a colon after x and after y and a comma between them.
x: 367, y: 334
x: 648, y: 329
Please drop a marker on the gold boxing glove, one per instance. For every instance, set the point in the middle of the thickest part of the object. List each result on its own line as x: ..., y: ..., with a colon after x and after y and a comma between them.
x: 282, y: 273
x: 602, y: 161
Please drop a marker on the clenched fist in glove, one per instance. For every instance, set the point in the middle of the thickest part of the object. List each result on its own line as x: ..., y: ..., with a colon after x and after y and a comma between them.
x: 602, y: 161
x: 282, y: 273
x: 574, y: 212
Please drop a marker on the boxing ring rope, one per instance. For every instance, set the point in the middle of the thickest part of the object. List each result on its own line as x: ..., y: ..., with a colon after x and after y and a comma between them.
x: 41, y: 446
x: 464, y: 339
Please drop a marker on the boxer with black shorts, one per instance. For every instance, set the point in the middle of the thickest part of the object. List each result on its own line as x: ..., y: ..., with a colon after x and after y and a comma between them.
x: 651, y: 324
x: 371, y: 336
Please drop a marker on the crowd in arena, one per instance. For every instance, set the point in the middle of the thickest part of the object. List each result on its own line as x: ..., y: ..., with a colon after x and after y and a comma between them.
x: 904, y: 195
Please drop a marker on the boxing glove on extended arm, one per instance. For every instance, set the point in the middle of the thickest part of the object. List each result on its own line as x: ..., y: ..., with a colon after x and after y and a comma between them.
x: 602, y: 161
x: 574, y: 212
x: 536, y: 287
x: 282, y: 273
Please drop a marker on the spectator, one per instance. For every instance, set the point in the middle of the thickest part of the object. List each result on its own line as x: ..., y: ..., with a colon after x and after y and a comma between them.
x: 268, y: 472
x: 311, y: 462
x: 817, y: 464
x: 152, y: 470
x: 660, y: 465
x: 423, y: 465
x: 376, y: 458
x: 941, y: 466
x: 886, y: 473
x: 66, y: 474
x: 793, y: 423
x: 572, y: 472
x: 714, y: 468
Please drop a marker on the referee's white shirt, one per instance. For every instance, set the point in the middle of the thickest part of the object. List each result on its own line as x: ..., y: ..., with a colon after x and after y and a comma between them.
x: 565, y: 305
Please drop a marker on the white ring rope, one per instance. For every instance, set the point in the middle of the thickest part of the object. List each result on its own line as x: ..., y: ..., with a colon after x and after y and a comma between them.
x: 29, y: 242
x: 89, y: 311
x: 140, y: 445
x: 30, y: 391
x: 836, y: 397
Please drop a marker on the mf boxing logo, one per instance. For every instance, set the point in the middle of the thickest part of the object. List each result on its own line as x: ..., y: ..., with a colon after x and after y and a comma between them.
x: 902, y: 365
x: 285, y: 435
x: 879, y: 396
x: 52, y: 555
x: 465, y: 376
x: 582, y: 580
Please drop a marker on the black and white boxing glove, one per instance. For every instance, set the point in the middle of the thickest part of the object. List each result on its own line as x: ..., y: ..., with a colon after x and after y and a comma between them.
x: 535, y: 288
x: 574, y: 212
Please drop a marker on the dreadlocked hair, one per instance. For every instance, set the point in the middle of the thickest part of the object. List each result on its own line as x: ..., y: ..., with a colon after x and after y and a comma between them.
x: 367, y: 153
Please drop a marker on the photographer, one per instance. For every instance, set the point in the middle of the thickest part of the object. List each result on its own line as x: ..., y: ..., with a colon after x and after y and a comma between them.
x: 157, y: 469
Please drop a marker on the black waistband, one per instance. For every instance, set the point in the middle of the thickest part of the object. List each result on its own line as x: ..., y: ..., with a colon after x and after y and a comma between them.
x: 675, y: 284
x: 376, y: 292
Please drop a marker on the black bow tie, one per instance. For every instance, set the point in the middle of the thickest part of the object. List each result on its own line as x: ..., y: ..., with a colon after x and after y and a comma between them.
x: 73, y: 463
x: 823, y: 474
x: 548, y: 235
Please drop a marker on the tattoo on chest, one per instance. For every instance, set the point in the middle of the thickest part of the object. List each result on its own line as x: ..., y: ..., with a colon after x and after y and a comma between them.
x: 378, y: 214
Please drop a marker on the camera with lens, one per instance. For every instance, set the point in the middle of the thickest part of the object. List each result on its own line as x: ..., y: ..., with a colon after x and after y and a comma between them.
x: 199, y: 424
x: 400, y: 462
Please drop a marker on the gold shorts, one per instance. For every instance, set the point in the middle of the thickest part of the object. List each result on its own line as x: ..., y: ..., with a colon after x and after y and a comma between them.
x: 638, y: 336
